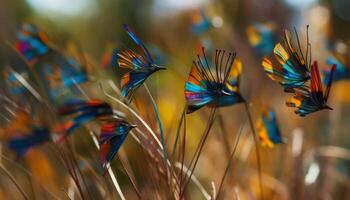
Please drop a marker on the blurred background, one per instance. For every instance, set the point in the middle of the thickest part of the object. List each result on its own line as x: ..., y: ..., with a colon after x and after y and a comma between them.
x: 312, y: 164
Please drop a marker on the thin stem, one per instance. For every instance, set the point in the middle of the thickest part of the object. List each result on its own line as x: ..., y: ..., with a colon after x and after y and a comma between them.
x: 142, y: 121
x: 194, y: 179
x: 240, y: 131
x: 131, y: 180
x: 24, y: 194
x: 199, y: 149
x: 178, y: 133
x: 183, y: 148
x: 257, y: 151
x: 76, y: 167
x: 160, y: 124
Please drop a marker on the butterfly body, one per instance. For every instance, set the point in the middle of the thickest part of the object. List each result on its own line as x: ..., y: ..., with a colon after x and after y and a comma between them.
x: 82, y: 112
x: 261, y: 38
x: 112, y: 136
x: 313, y: 98
x: 213, y: 89
x: 268, y: 129
x: 140, y: 65
x: 31, y: 42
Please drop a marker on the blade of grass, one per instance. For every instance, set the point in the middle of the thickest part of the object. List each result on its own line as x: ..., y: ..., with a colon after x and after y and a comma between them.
x: 139, y: 118
x: 160, y: 124
x: 97, y: 145
x: 178, y: 133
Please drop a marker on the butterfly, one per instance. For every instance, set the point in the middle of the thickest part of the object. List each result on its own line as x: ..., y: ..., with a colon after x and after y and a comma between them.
x: 141, y: 65
x: 80, y: 112
x: 268, y: 130
x: 215, y: 89
x: 21, y: 144
x: 31, y: 42
x: 293, y: 69
x: 261, y: 37
x: 342, y: 72
x: 199, y: 22
x: 314, y: 98
x: 112, y: 136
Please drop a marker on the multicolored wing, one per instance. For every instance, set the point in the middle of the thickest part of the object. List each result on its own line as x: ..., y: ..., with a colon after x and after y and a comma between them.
x: 316, y: 87
x: 303, y: 102
x: 131, y: 60
x: 329, y: 83
x: 296, y: 61
x: 270, y: 122
x: 131, y: 81
x: 291, y: 72
x: 77, y: 105
x: 112, y: 128
x: 72, y: 73
x: 21, y: 144
x: 80, y: 120
x: 268, y: 129
x: 31, y: 43
x: 341, y: 73
x: 113, y: 135
x: 196, y: 91
x: 261, y: 38
x: 110, y: 58
x: 234, y: 76
x: 147, y: 56
x: 82, y: 112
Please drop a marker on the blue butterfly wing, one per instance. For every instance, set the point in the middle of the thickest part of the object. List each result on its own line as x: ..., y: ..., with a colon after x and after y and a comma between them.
x: 22, y: 144
x: 131, y: 81
x: 138, y: 43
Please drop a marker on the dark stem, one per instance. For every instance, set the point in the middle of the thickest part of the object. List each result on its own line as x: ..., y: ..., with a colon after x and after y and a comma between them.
x: 162, y: 136
x: 257, y: 151
x: 199, y: 150
x: 183, y: 149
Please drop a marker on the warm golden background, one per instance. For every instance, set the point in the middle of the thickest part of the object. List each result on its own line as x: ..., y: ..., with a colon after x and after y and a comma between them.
x: 313, y: 164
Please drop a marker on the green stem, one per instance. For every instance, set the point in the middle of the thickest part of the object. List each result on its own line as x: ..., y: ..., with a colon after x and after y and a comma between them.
x: 178, y: 134
x: 162, y: 137
x: 257, y: 151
